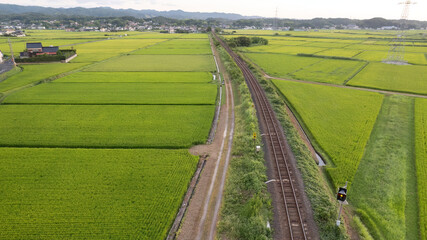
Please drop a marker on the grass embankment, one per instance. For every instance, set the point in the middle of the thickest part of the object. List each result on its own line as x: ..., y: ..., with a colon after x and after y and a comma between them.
x: 322, y: 203
x: 247, y: 204
x: 384, y: 187
x: 421, y: 162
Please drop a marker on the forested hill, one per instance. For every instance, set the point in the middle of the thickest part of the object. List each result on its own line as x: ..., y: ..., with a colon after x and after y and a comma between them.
x: 7, y: 9
x: 10, y: 12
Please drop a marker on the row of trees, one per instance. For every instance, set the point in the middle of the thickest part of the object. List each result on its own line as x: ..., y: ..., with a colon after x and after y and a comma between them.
x: 246, y: 41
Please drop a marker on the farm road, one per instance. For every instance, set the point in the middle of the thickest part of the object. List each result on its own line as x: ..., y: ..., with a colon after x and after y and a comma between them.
x: 202, y: 213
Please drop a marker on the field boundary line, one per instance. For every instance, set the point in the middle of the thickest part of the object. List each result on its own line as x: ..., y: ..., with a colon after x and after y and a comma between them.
x: 357, y: 72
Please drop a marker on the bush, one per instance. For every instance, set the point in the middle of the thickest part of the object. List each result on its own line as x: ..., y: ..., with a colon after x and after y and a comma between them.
x: 42, y: 58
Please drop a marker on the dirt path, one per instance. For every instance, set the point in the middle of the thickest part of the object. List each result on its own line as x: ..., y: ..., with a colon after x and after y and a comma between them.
x: 202, y: 214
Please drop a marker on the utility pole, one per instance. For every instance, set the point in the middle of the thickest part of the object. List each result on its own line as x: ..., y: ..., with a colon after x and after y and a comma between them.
x: 11, y: 52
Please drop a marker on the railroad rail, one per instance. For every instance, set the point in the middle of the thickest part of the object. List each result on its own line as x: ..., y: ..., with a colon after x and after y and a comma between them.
x: 295, y: 225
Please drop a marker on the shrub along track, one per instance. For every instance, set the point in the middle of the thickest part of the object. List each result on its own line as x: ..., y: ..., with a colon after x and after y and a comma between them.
x: 291, y: 216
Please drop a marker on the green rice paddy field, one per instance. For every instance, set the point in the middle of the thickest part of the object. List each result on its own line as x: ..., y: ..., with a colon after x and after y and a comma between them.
x: 54, y: 193
x: 375, y: 141
x: 117, y: 93
x: 98, y: 148
x: 340, y: 121
x: 421, y: 163
x: 139, y: 77
x: 156, y: 63
x: 286, y: 57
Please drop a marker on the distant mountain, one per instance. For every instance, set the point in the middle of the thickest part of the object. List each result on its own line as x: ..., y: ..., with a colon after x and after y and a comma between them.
x: 110, y: 12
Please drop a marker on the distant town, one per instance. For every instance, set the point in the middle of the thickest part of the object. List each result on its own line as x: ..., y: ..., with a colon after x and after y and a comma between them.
x: 16, y: 25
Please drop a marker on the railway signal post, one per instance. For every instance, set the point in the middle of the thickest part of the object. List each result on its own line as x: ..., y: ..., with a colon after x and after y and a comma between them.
x: 341, y: 197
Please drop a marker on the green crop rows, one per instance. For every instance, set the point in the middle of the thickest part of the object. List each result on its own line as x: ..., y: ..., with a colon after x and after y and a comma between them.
x: 281, y: 65
x: 393, y: 77
x: 386, y: 174
x: 104, y: 125
x: 103, y: 153
x: 35, y: 73
x: 117, y: 93
x: 342, y: 130
x: 329, y: 71
x: 160, y: 63
x: 91, y: 194
x: 421, y: 163
x: 139, y: 77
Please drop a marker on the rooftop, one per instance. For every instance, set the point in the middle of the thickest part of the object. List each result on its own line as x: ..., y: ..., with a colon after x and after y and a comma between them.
x: 34, y: 45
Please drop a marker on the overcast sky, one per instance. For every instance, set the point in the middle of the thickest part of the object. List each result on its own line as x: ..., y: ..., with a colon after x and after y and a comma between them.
x: 301, y: 9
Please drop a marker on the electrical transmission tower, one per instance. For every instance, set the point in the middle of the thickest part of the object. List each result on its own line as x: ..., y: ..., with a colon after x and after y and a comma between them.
x: 11, y: 52
x: 396, y: 53
x: 275, y: 21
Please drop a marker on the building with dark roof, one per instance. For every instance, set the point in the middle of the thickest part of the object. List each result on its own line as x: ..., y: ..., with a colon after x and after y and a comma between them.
x: 34, y: 47
x: 49, y: 50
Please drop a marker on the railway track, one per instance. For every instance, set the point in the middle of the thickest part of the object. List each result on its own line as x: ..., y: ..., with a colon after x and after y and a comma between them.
x: 293, y: 224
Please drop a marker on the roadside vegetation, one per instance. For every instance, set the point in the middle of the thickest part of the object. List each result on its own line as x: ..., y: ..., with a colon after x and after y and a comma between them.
x: 247, y: 204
